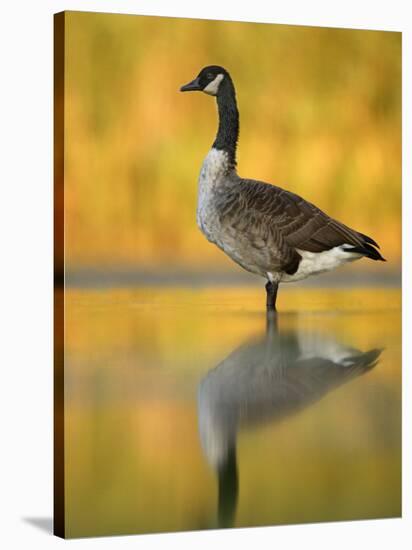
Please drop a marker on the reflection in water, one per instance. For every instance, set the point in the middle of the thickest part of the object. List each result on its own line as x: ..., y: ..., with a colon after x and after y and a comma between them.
x: 266, y: 380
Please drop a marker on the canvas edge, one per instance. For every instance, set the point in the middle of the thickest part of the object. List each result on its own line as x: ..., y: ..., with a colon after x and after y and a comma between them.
x: 59, y: 526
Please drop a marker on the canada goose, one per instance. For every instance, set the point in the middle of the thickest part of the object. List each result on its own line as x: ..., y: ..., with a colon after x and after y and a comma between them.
x: 266, y: 380
x: 265, y: 229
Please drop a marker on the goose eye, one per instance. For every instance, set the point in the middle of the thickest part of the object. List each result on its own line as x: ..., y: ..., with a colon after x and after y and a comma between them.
x: 210, y: 76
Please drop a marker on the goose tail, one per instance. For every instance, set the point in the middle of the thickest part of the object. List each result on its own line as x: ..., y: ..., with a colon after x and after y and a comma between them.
x: 368, y: 248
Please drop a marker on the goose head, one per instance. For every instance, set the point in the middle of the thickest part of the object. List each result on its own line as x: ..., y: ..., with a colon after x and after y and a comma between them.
x: 209, y: 80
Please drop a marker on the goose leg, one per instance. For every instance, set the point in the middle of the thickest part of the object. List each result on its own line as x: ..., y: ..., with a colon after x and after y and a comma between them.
x: 271, y: 293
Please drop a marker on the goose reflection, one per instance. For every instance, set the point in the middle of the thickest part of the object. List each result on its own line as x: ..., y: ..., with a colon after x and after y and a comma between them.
x: 265, y: 380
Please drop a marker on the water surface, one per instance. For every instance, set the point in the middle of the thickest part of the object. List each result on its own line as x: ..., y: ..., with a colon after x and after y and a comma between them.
x: 189, y: 409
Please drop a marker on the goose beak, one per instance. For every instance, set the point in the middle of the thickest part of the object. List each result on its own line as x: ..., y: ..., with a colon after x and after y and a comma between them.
x: 191, y: 86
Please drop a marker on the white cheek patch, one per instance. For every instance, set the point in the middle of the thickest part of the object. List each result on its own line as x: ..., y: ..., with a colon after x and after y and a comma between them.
x: 213, y: 86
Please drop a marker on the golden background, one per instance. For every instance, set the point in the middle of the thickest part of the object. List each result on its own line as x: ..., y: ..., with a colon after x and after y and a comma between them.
x: 320, y: 114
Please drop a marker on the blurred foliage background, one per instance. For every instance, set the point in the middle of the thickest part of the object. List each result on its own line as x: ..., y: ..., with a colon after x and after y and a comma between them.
x: 320, y: 115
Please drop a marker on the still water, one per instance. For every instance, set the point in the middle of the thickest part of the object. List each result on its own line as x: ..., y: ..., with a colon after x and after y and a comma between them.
x: 188, y: 409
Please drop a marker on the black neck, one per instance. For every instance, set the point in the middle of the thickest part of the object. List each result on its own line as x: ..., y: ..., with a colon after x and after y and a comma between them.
x: 228, y: 490
x: 228, y: 131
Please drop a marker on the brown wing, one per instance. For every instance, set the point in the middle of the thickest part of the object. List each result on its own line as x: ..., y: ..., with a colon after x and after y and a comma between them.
x: 299, y: 223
